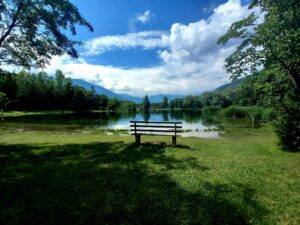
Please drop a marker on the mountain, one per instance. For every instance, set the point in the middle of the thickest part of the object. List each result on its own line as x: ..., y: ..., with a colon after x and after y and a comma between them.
x: 159, y: 98
x: 99, y: 90
x: 231, y: 85
x: 131, y: 98
x: 125, y: 97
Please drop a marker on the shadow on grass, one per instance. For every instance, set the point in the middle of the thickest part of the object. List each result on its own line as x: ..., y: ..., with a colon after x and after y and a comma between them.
x: 112, y: 183
x: 162, y: 145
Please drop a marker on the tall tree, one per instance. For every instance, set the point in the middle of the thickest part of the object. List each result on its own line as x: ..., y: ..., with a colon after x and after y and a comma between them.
x: 4, y: 101
x: 32, y: 31
x: 113, y: 103
x: 274, y: 44
x: 146, y: 103
x: 165, y: 102
x: 275, y: 40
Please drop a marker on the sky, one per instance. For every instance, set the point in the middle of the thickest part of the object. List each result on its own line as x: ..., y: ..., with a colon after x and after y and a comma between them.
x: 141, y: 47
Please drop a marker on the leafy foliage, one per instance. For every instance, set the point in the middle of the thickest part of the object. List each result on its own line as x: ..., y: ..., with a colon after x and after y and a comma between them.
x: 146, y: 104
x: 165, y: 102
x: 113, y: 103
x: 273, y: 43
x: 42, y: 92
x: 32, y: 31
x: 274, y: 40
x: 3, y: 100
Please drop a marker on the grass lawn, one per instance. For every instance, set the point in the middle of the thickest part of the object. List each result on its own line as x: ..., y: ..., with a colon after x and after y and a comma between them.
x: 65, y: 178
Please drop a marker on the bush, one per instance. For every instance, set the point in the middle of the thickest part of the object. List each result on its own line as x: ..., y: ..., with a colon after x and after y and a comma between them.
x: 254, y: 113
x: 287, y: 128
x: 211, y: 110
x: 235, y: 112
x: 287, y: 125
x: 269, y: 115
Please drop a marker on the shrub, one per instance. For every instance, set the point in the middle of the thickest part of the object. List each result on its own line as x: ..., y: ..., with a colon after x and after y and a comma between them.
x: 235, y: 112
x: 254, y: 113
x: 287, y: 125
x: 211, y: 110
x: 269, y: 115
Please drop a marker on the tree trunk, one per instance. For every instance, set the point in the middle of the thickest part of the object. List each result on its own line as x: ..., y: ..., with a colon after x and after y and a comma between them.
x: 295, y: 79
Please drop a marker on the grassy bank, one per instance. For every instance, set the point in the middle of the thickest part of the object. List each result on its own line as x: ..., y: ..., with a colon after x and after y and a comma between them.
x: 52, y: 178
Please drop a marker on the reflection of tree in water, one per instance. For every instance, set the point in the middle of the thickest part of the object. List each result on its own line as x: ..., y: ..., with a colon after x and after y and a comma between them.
x: 165, y: 116
x: 191, y: 116
x: 82, y: 118
x: 211, y: 119
x: 176, y: 114
x: 129, y: 114
x: 146, y: 115
x: 113, y: 117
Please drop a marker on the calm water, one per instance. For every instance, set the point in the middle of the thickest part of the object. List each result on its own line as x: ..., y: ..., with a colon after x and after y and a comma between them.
x: 194, y: 124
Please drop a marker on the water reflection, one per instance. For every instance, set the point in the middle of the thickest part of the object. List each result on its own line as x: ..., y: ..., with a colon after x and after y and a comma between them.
x: 194, y: 124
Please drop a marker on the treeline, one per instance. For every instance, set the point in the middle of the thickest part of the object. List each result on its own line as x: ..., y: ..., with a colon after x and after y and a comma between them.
x: 250, y: 91
x: 250, y: 98
x: 30, y: 91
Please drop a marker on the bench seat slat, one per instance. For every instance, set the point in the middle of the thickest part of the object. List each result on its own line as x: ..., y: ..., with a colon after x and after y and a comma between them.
x: 153, y: 130
x: 149, y: 122
x: 162, y: 134
x: 156, y: 126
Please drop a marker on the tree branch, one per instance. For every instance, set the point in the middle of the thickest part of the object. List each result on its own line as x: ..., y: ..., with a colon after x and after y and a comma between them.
x: 12, y: 25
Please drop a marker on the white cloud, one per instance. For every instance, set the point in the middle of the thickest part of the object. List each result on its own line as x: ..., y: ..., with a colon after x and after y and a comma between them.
x: 197, y: 42
x: 146, y: 40
x: 140, y: 18
x: 145, y: 17
x: 192, y: 62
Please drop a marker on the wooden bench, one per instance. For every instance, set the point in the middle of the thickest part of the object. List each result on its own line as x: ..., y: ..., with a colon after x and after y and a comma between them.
x: 138, y: 128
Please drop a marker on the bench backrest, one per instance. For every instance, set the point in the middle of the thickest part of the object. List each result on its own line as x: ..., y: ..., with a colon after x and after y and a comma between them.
x: 155, y: 128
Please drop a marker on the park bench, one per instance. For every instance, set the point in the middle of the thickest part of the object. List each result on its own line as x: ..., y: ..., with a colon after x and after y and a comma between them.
x: 138, y: 128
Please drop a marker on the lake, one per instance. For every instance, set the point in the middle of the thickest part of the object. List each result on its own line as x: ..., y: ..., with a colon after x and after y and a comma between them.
x: 194, y: 123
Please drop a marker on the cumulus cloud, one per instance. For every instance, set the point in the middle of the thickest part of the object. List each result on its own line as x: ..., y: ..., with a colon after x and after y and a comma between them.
x: 192, y: 62
x: 146, y: 40
x: 197, y: 42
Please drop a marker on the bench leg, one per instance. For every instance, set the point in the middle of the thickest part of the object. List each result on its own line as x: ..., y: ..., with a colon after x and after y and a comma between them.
x: 138, y: 139
x: 174, y: 141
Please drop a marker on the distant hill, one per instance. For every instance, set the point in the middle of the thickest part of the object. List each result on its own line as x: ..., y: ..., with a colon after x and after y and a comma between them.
x: 159, y: 98
x: 226, y: 88
x: 131, y: 98
x: 124, y: 97
x: 99, y: 90
x: 231, y: 85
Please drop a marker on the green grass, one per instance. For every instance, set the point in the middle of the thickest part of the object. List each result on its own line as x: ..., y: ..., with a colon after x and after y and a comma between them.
x: 64, y: 178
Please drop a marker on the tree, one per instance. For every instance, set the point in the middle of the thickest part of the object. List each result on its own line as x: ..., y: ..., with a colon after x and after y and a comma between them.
x: 8, y: 84
x: 103, y: 100
x: 274, y: 44
x: 164, y: 103
x: 172, y: 104
x: 214, y: 98
x: 129, y: 106
x: 4, y: 101
x: 146, y: 103
x: 63, y: 92
x: 276, y: 40
x: 113, y: 103
x: 32, y: 31
x: 190, y: 102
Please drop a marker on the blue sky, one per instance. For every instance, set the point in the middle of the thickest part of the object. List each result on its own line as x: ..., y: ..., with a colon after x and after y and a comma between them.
x: 153, y: 46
